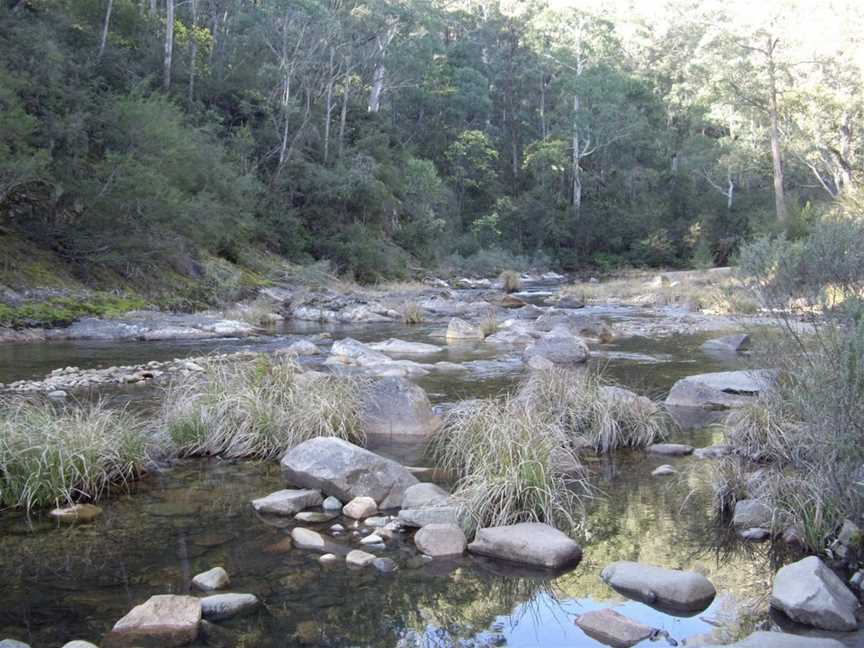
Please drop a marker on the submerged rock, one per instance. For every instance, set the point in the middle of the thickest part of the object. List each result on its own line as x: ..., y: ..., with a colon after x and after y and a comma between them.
x: 164, y: 620
x: 663, y: 471
x: 403, y: 347
x: 657, y: 586
x: 315, y: 517
x: 728, y: 344
x: 395, y: 407
x: 385, y: 565
x: 529, y: 543
x: 77, y: 513
x: 810, y: 593
x: 287, y: 502
x: 670, y: 449
x: 357, y: 558
x: 212, y: 579
x: 719, y: 391
x: 225, y: 606
x: 612, y: 629
x: 346, y: 471
x: 308, y: 539
x: 439, y: 540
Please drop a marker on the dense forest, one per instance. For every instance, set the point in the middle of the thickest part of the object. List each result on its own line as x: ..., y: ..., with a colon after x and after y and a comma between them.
x: 388, y: 135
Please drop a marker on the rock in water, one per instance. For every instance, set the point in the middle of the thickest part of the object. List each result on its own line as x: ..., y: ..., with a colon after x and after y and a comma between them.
x: 719, y: 391
x: 78, y: 643
x: 752, y: 514
x: 660, y: 587
x: 459, y: 329
x: 810, y: 593
x: 396, y: 407
x: 308, y: 539
x: 359, y: 508
x: 529, y: 543
x: 560, y: 347
x: 357, y: 558
x: 164, y: 620
x: 77, y: 513
x: 12, y: 643
x: 612, y: 629
x: 440, y: 540
x: 670, y: 449
x: 385, y: 565
x: 346, y: 471
x: 663, y: 471
x: 402, y: 347
x: 225, y: 606
x: 728, y: 344
x: 287, y: 502
x: 423, y: 495
x: 212, y: 579
x: 332, y: 504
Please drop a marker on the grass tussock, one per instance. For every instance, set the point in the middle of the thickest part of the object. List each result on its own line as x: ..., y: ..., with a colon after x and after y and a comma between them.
x: 511, y: 281
x: 52, y: 455
x: 592, y: 412
x: 258, y: 313
x: 412, y: 314
x: 258, y: 409
x: 513, y: 465
x: 489, y: 324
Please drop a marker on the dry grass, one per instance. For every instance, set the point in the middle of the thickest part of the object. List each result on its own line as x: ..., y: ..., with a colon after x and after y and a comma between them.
x: 715, y: 293
x: 53, y: 455
x: 513, y: 465
x: 489, y: 323
x: 259, y: 409
x: 412, y: 313
x: 259, y: 312
x: 511, y: 281
x: 592, y: 412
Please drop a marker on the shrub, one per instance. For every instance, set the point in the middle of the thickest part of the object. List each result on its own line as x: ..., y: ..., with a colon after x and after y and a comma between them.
x: 489, y: 323
x: 412, y: 313
x: 53, y: 455
x: 511, y: 281
x: 513, y: 465
x: 258, y: 409
x: 592, y: 412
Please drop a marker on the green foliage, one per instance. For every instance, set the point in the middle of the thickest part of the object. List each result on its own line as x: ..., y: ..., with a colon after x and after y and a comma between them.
x: 60, y: 311
x: 52, y: 455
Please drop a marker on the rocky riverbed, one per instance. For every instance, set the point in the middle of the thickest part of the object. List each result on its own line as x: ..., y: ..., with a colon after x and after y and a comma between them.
x: 316, y: 552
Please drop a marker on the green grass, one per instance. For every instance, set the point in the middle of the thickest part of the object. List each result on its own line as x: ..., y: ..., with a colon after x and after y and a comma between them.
x: 258, y: 409
x: 513, y: 465
x: 591, y: 411
x: 61, y: 311
x: 53, y: 455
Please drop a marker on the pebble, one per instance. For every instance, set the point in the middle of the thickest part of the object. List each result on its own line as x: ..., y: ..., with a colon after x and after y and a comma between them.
x: 372, y: 539
x: 332, y: 504
x: 212, y: 579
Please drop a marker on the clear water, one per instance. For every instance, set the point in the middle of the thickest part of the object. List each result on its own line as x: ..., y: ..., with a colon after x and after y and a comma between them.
x: 61, y: 582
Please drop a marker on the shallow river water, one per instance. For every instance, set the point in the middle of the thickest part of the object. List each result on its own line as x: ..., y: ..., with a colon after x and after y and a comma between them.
x: 59, y: 583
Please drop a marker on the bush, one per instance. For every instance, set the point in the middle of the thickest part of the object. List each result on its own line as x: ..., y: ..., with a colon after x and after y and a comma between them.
x: 53, y: 456
x: 512, y: 465
x: 258, y: 409
x: 592, y: 412
x: 412, y: 313
x: 511, y: 281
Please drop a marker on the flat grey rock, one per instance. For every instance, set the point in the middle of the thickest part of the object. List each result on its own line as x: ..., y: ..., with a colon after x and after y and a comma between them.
x: 811, y: 594
x: 440, y: 540
x: 529, y: 543
x: 660, y: 587
x: 287, y: 501
x: 752, y: 514
x: 612, y: 628
x: 782, y: 640
x: 225, y: 606
x: 720, y: 391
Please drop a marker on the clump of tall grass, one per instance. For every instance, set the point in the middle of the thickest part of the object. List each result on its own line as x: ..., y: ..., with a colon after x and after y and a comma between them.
x: 258, y: 409
x: 412, y: 313
x: 53, y: 455
x: 489, y: 324
x: 510, y: 281
x: 259, y: 313
x: 513, y: 465
x: 593, y: 412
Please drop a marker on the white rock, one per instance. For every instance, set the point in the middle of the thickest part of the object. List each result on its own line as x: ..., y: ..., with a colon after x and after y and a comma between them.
x: 357, y: 558
x: 359, y: 508
x: 212, y: 579
x: 332, y: 504
x: 225, y: 606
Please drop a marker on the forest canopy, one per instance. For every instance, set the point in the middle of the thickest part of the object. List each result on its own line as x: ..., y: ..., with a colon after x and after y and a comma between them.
x: 384, y: 135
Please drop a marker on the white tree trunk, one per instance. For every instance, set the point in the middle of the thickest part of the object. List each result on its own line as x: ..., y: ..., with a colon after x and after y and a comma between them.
x: 193, y: 51
x: 377, y: 88
x: 105, y: 26
x: 776, y: 149
x: 169, y: 44
x: 328, y: 109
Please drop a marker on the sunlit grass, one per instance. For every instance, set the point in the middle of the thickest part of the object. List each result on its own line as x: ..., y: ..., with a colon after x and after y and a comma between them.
x: 53, y: 455
x: 258, y: 409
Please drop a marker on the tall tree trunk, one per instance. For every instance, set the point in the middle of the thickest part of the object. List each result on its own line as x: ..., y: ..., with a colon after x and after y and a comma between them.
x: 328, y: 108
x: 776, y: 149
x: 343, y: 118
x: 577, y: 163
x: 105, y: 26
x: 543, y: 133
x: 193, y: 51
x: 377, y: 88
x: 153, y: 7
x: 169, y: 44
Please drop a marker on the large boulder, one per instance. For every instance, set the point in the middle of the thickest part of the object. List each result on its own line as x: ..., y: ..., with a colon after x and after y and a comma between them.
x: 396, y: 407
x: 459, y: 329
x: 346, y: 471
x: 164, y: 620
x: 424, y: 495
x: 668, y: 589
x: 529, y: 543
x: 764, y: 639
x: 350, y: 351
x: 719, y: 391
x: 559, y: 346
x: 810, y: 593
x: 612, y: 628
x: 441, y: 540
